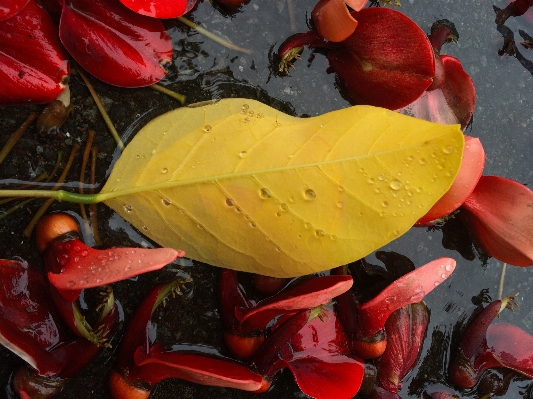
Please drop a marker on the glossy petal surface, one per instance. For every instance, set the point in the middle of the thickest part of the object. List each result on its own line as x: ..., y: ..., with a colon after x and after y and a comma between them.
x: 72, y: 265
x: 160, y: 8
x: 333, y: 20
x: 8, y: 8
x: 33, y: 62
x: 410, y: 288
x: 115, y: 44
x: 499, y: 214
x: 376, y: 70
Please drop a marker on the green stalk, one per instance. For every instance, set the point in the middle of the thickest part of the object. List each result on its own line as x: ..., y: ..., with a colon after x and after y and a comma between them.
x: 168, y: 92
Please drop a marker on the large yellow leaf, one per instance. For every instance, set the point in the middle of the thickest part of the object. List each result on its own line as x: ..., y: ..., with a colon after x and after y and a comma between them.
x: 241, y: 185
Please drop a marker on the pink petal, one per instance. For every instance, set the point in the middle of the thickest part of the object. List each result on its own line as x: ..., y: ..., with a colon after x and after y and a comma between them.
x: 115, y: 44
x: 387, y: 62
x: 305, y: 295
x: 356, y: 5
x: 499, y: 213
x: 78, y: 266
x: 333, y: 20
x: 464, y: 183
x: 33, y: 63
x: 512, y: 347
x: 8, y: 8
x: 410, y: 288
x: 159, y: 365
x: 160, y: 8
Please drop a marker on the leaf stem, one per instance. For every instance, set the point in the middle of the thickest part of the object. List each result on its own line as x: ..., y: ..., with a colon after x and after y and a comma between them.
x: 213, y: 37
x: 102, y: 110
x: 168, y: 92
x: 15, y: 136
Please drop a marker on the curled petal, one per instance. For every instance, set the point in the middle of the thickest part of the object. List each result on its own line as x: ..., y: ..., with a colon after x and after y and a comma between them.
x: 11, y: 7
x: 333, y: 20
x: 499, y: 214
x: 33, y: 63
x: 410, y: 288
x: 115, y: 44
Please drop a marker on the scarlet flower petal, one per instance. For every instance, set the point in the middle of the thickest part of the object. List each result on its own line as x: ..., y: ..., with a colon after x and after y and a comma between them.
x: 333, y: 20
x: 115, y: 44
x: 33, y: 63
x: 499, y: 214
x: 160, y: 8
x: 11, y: 7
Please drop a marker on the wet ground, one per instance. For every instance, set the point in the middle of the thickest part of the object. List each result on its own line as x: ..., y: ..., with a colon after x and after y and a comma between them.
x: 203, y: 70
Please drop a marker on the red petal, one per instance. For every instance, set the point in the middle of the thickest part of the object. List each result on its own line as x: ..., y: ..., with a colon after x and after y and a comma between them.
x: 410, y: 288
x: 356, y: 5
x: 305, y: 295
x: 11, y: 7
x: 159, y: 365
x: 387, y: 62
x: 33, y: 62
x: 339, y: 377
x: 29, y: 326
x: 333, y: 20
x: 160, y: 8
x: 113, y: 43
x: 499, y: 213
x: 512, y: 347
x: 464, y: 183
x: 72, y: 265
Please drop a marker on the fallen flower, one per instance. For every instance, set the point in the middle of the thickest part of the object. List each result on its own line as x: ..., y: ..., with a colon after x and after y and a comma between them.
x: 499, y: 215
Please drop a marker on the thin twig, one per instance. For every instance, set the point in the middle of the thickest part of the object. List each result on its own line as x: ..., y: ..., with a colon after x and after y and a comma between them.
x: 93, y: 207
x: 168, y: 92
x: 84, y: 161
x: 292, y: 20
x: 15, y: 136
x: 29, y: 229
x: 102, y: 110
x: 214, y: 37
x: 502, y: 279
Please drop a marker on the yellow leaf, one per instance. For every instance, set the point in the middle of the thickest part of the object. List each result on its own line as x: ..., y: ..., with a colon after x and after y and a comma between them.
x: 241, y: 185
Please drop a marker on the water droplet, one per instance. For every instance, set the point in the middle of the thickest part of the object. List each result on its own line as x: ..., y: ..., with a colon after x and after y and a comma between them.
x: 448, y: 267
x: 278, y: 214
x: 71, y: 284
x: 200, y: 226
x: 229, y: 202
x: 278, y: 249
x: 390, y: 299
x: 84, y: 253
x: 251, y: 113
x: 242, y: 154
x: 340, y: 204
x: 385, y: 203
x: 245, y: 107
x: 320, y: 233
x: 377, y: 190
x: 381, y: 177
x: 308, y: 225
x: 137, y: 156
x: 310, y: 194
x: 436, y: 283
x: 371, y: 180
x: 383, y: 214
x: 259, y: 115
x: 443, y: 276
x: 411, y: 158
x: 447, y: 149
x: 127, y: 268
x: 166, y: 202
x: 76, y: 259
x: 284, y: 207
x: 253, y: 224
x: 128, y: 208
x: 83, y: 282
x: 265, y: 193
x: 238, y: 208
x: 423, y: 161
x: 99, y: 281
x: 395, y: 184
x: 207, y: 128
x: 292, y: 199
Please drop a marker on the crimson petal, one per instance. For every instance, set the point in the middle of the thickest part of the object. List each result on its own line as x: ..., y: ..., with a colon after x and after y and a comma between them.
x: 499, y: 214
x: 33, y: 63
x: 72, y: 265
x: 115, y: 44
x: 160, y: 8
x: 308, y: 294
x: 8, y: 8
x: 159, y: 365
x: 410, y: 288
x: 387, y: 62
x: 29, y: 326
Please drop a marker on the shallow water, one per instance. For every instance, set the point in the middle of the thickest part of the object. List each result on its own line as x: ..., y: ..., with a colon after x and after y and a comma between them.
x: 203, y: 70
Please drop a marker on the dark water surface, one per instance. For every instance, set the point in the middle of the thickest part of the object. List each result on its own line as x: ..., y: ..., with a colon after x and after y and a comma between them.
x: 203, y: 70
